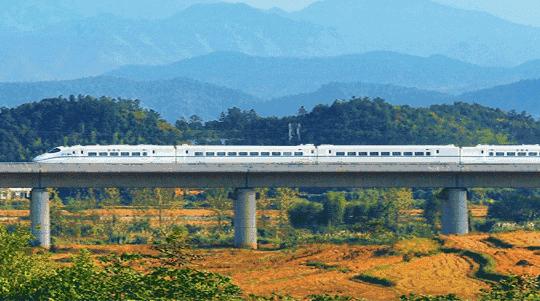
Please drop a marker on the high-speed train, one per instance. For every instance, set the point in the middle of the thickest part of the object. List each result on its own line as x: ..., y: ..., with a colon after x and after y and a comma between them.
x: 301, y: 154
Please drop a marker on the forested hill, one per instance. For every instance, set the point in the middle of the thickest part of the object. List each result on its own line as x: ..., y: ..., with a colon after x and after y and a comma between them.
x: 35, y: 127
x: 32, y: 128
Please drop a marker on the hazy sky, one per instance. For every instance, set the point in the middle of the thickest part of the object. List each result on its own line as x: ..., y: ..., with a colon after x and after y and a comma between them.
x: 519, y: 11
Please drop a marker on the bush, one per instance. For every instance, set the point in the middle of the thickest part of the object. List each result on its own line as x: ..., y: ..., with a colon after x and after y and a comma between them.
x: 413, y: 297
x: 305, y: 214
x: 374, y: 280
x: 27, y: 275
x: 514, y: 288
x: 415, y: 247
x: 334, y: 208
x: 520, y: 209
x: 18, y: 266
x: 117, y: 281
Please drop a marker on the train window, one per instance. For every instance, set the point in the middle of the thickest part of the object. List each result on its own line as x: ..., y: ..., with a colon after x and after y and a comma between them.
x: 385, y: 154
x: 187, y: 152
x: 254, y: 154
x: 145, y: 154
x: 232, y: 154
x: 351, y: 154
x: 407, y: 154
x: 265, y: 154
x: 510, y: 154
x: 491, y: 154
x: 533, y: 154
x: 82, y: 152
x: 428, y: 153
x: 114, y: 154
x: 124, y: 154
x: 374, y: 153
x: 499, y: 154
x: 437, y: 151
x: 243, y: 154
x: 340, y: 154
x: 73, y: 152
x: 418, y: 153
x: 362, y: 154
x: 276, y: 154
x: 103, y: 154
x: 287, y: 154
x: 92, y: 154
x: 136, y: 154
x: 221, y: 154
x: 54, y: 150
x: 153, y: 151
x: 522, y: 154
x: 298, y: 154
x: 210, y: 154
x: 198, y: 154
x: 396, y: 154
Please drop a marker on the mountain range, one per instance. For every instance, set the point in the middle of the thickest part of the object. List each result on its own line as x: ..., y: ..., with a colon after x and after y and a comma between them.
x: 51, y: 40
x: 182, y: 98
x: 182, y: 59
x: 173, y: 98
x: 269, y: 77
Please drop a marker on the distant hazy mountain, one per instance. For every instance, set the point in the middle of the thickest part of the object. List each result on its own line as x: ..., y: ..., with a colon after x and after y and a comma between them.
x: 172, y: 98
x: 37, y: 14
x: 175, y: 98
x: 327, y: 94
x: 521, y: 96
x: 80, y: 47
x: 422, y: 27
x: 275, y: 77
x: 63, y: 39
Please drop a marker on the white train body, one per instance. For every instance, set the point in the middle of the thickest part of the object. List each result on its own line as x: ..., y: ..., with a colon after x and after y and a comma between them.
x: 302, y: 154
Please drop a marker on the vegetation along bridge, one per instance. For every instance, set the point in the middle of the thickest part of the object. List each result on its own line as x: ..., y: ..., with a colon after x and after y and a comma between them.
x: 456, y: 178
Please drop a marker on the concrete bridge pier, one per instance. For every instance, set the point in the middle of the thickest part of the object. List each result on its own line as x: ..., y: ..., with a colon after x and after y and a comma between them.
x: 40, y: 218
x: 455, y: 215
x: 245, y: 219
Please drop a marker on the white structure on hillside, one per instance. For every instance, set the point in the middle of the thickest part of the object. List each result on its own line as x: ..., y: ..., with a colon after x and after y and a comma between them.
x: 14, y: 193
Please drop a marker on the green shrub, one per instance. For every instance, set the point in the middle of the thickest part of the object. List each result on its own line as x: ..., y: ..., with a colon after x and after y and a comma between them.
x: 374, y: 280
x: 325, y: 266
x: 514, y: 288
x: 413, y: 297
x: 305, y: 214
x: 415, y: 247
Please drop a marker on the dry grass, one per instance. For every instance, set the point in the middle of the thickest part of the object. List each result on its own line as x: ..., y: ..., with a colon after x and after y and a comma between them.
x: 506, y: 258
x: 416, y: 247
x: 287, y: 272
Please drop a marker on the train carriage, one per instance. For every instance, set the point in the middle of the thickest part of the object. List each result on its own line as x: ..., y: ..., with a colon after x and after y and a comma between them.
x: 301, y: 154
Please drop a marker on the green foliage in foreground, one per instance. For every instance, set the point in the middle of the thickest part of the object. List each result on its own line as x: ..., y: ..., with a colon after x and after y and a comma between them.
x: 117, y: 281
x: 514, y: 288
x: 28, y: 276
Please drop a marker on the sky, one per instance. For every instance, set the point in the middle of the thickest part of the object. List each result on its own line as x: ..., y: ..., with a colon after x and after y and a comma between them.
x: 519, y: 11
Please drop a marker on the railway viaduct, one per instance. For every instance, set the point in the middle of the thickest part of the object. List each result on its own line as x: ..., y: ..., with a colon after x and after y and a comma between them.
x: 456, y: 178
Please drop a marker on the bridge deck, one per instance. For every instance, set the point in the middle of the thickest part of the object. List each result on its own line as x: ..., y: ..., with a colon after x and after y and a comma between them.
x: 272, y: 175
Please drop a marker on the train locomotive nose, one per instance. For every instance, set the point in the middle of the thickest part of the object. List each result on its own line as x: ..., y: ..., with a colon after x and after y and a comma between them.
x: 39, y: 158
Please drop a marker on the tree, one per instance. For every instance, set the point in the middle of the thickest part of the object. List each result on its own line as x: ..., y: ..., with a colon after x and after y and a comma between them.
x: 112, y: 197
x: 219, y: 204
x: 305, y: 214
x: 285, y: 198
x: 519, y: 209
x: 334, y: 208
